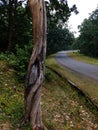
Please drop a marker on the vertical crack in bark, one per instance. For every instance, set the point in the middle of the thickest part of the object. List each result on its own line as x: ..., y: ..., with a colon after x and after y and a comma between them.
x: 35, y: 74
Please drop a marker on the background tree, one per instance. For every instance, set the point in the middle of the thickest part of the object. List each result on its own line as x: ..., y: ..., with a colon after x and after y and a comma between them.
x: 3, y: 25
x: 58, y: 12
x: 15, y: 27
x: 58, y: 39
x: 11, y: 24
x: 58, y: 35
x: 88, y: 39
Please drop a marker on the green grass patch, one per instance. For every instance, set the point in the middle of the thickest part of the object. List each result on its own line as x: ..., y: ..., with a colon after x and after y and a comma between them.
x: 83, y: 58
x: 62, y: 105
x: 87, y: 85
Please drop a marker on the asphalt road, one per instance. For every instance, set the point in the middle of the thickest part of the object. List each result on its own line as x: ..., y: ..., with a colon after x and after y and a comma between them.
x: 88, y: 70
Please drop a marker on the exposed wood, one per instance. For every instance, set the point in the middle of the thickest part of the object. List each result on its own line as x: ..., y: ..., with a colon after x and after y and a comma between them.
x: 36, y: 66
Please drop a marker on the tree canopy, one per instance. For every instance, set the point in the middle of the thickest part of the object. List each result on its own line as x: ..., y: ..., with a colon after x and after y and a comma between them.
x: 15, y: 22
x: 88, y: 39
x: 15, y: 26
x: 58, y: 39
x: 58, y: 12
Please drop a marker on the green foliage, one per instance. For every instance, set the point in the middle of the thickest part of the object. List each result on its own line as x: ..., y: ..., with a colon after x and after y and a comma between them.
x: 61, y: 13
x: 3, y: 24
x: 58, y: 12
x: 22, y: 26
x: 48, y: 75
x: 75, y: 44
x: 88, y: 39
x: 22, y: 60
x: 19, y: 60
x: 58, y: 39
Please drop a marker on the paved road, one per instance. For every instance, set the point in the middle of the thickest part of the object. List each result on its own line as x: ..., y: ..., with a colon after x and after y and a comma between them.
x: 80, y: 67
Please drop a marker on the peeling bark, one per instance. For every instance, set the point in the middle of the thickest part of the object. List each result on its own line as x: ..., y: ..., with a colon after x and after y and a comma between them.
x: 36, y: 68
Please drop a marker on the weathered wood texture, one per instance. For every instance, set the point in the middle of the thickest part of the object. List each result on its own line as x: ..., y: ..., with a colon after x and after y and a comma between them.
x: 36, y: 66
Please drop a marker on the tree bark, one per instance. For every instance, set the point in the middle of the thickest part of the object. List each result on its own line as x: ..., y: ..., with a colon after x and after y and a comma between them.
x: 36, y: 68
x: 11, y: 14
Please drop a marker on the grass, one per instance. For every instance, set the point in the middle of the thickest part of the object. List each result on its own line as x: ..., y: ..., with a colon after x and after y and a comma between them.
x: 83, y: 58
x: 60, y: 103
x: 11, y: 96
x: 87, y: 85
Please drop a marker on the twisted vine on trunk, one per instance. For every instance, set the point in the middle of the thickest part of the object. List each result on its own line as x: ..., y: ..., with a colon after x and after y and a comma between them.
x: 36, y: 66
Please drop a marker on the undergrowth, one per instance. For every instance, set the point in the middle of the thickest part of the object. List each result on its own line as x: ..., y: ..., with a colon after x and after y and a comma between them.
x: 18, y: 60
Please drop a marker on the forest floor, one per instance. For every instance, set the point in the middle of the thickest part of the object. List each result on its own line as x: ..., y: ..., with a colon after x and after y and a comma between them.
x: 62, y: 107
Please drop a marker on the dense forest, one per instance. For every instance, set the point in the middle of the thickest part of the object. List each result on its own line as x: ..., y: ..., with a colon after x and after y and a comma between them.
x: 16, y: 28
x: 16, y: 37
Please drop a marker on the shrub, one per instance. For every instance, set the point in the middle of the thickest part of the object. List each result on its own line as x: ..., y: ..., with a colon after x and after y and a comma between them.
x: 18, y: 60
x: 48, y: 75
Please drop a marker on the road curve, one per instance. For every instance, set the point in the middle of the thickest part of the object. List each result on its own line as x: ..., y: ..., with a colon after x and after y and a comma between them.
x: 88, y: 70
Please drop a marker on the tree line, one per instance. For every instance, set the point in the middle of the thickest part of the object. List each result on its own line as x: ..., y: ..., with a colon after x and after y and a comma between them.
x: 16, y: 25
x: 87, y: 42
x: 16, y: 35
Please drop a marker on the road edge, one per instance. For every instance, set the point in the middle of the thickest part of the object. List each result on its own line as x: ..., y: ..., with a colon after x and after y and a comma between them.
x: 73, y: 85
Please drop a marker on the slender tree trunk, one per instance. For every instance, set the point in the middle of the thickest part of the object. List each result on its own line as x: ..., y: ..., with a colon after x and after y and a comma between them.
x: 10, y: 35
x: 36, y: 66
x: 11, y: 13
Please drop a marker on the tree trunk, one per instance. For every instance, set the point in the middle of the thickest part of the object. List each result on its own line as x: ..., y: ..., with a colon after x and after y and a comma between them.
x: 11, y: 14
x: 36, y: 66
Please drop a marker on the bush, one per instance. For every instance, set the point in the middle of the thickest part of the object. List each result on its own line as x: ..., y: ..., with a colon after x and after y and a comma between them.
x: 19, y: 61
x: 48, y: 75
